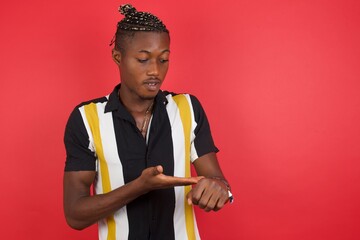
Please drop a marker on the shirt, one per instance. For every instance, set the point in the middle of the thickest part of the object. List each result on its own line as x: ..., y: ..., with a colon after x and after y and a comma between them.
x: 101, y: 135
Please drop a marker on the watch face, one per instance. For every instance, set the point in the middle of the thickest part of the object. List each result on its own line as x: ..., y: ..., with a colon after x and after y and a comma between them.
x: 231, y: 198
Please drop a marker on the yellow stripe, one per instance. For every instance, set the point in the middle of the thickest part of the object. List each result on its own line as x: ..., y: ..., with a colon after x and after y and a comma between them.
x: 93, y: 120
x: 185, y: 116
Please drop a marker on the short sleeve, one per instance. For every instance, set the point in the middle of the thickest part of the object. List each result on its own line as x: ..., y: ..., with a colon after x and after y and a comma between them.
x: 203, y: 141
x: 79, y: 157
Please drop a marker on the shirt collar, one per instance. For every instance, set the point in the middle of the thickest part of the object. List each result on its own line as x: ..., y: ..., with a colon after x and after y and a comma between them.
x: 114, y: 103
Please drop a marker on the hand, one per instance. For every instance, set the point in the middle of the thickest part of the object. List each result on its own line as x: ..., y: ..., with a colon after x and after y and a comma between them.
x: 153, y: 178
x: 209, y: 194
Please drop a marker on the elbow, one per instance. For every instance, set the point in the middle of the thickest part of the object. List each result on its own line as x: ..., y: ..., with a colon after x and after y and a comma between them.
x: 75, y: 224
x: 75, y: 221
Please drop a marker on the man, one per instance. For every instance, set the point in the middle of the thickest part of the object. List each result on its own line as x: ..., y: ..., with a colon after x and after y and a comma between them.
x: 136, y: 144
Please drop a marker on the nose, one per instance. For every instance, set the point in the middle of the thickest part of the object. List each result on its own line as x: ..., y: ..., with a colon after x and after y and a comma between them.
x: 153, y: 69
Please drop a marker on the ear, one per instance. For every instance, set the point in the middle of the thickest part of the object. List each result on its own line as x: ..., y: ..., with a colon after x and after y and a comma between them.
x: 116, y: 55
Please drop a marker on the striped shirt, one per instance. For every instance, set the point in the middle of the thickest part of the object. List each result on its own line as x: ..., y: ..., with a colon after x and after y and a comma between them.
x: 101, y: 135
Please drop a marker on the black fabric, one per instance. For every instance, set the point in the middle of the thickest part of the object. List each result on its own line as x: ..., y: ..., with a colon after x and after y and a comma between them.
x: 76, y: 140
x: 156, y: 208
x: 204, y: 142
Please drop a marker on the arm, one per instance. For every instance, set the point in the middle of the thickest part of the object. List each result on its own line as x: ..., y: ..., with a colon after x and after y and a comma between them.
x: 82, y: 210
x: 211, y: 192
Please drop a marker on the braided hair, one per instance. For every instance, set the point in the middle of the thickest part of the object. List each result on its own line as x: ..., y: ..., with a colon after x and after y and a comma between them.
x: 135, y: 21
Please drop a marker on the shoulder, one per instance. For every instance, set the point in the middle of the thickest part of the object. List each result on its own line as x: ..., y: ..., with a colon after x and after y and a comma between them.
x: 111, y: 98
x: 75, y: 117
x: 178, y: 100
x: 93, y: 101
x: 192, y: 99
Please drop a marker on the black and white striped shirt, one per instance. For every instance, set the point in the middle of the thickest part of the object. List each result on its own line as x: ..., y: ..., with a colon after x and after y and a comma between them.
x: 101, y: 135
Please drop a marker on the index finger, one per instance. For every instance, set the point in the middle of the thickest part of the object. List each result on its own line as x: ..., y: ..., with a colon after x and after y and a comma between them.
x: 181, y: 181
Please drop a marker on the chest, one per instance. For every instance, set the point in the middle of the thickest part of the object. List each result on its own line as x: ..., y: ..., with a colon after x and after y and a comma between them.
x: 137, y: 152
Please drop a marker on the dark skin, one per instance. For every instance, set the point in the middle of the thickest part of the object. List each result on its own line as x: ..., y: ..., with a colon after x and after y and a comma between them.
x: 143, y: 67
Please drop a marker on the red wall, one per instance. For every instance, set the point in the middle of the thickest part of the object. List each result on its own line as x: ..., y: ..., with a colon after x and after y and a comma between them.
x: 279, y: 80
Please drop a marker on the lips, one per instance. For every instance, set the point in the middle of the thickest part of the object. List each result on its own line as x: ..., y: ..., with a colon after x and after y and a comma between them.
x: 152, y: 84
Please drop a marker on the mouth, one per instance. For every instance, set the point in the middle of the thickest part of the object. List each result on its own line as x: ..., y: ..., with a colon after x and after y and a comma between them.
x: 152, y: 85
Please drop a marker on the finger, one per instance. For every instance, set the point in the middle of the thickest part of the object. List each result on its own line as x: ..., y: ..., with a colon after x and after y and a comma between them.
x: 211, y: 204
x: 200, y: 177
x: 189, y: 197
x: 221, y: 199
x: 212, y: 199
x: 157, y: 170
x: 219, y: 205
x: 182, y: 181
x: 196, y: 194
x: 204, y: 201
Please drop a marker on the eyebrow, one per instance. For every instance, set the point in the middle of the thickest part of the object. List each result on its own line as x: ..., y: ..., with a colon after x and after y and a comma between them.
x: 148, y: 52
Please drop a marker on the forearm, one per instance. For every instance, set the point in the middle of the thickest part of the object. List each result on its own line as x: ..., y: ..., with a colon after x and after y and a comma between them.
x: 87, y: 210
x: 212, y: 192
x: 82, y: 210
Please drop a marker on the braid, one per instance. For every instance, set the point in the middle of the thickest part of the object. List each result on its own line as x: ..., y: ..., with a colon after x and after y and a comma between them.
x: 139, y: 21
x: 133, y: 22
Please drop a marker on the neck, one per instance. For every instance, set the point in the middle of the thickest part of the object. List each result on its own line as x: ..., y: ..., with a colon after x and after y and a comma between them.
x: 136, y: 105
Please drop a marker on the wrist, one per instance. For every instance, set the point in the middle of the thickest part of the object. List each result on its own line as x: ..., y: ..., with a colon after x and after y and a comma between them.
x: 228, y: 188
x: 141, y: 185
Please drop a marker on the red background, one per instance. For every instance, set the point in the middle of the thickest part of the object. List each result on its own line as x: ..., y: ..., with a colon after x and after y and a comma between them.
x: 279, y: 80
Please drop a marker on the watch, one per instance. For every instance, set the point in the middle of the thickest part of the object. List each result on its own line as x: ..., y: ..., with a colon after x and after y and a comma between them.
x: 231, y: 197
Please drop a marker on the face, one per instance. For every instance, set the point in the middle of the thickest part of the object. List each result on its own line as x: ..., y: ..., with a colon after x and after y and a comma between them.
x: 143, y: 65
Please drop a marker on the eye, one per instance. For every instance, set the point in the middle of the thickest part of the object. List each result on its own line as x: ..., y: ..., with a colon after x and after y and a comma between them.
x: 142, y: 60
x: 164, y: 60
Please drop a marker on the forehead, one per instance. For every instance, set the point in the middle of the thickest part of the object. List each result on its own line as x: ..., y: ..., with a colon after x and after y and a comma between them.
x: 148, y: 41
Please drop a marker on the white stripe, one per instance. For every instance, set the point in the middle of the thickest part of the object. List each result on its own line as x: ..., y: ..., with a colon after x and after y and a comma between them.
x: 148, y: 130
x: 102, y: 225
x: 179, y: 167
x: 91, y: 146
x: 193, y: 153
x: 177, y: 132
x: 111, y: 155
x: 87, y: 127
x: 103, y: 229
x: 114, y: 167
